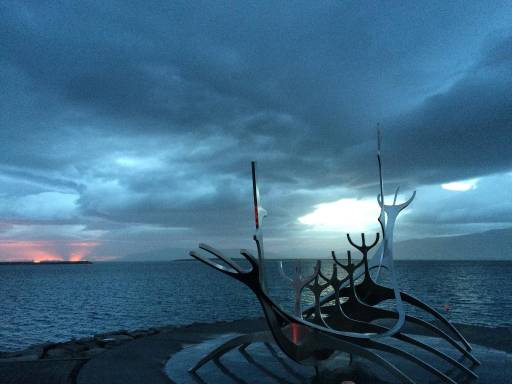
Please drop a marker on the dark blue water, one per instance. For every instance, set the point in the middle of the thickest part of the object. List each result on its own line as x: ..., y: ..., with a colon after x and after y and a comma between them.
x: 58, y: 302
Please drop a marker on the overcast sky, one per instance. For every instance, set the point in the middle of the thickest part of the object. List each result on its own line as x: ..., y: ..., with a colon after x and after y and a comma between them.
x: 130, y: 126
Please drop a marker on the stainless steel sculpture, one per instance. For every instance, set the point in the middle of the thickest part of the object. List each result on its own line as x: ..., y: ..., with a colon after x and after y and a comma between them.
x: 343, y: 321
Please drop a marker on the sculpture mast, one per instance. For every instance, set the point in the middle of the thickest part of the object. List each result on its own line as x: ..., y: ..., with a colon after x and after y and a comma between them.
x: 259, y: 214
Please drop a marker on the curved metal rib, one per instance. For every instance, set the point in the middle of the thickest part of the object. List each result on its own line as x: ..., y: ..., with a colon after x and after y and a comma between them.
x: 318, y: 339
x: 409, y: 299
x: 316, y: 288
x: 298, y: 282
x: 354, y: 311
x: 231, y: 344
x: 371, y: 356
x: 279, y: 320
x: 341, y: 318
x: 373, y: 294
x: 354, y: 303
x: 370, y: 290
x: 408, y: 356
x: 272, y: 311
x: 219, y: 254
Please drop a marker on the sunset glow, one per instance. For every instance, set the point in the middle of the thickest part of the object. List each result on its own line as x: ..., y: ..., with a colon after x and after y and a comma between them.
x: 81, y: 250
x: 45, y: 250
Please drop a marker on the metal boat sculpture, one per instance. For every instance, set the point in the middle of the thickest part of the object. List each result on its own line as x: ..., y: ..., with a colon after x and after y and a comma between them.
x: 343, y: 321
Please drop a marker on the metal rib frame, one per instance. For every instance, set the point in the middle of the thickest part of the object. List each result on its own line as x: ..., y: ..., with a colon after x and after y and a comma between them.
x: 319, y: 337
x: 316, y: 334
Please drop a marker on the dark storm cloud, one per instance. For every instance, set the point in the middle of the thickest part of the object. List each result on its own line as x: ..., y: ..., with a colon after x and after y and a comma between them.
x: 461, y: 133
x: 464, y: 132
x: 149, y: 113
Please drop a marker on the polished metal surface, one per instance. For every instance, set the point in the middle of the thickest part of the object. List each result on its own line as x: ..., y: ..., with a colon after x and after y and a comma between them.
x: 298, y: 282
x: 344, y: 320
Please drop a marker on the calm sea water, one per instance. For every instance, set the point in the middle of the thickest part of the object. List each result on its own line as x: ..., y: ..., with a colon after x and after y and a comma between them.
x: 58, y: 302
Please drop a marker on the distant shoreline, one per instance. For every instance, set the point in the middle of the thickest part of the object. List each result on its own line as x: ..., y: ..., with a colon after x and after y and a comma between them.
x: 44, y: 262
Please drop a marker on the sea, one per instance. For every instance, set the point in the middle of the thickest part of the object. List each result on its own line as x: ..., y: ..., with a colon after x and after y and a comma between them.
x: 52, y: 303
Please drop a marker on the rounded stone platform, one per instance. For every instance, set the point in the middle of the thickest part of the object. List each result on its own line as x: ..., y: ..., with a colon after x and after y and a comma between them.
x: 265, y: 363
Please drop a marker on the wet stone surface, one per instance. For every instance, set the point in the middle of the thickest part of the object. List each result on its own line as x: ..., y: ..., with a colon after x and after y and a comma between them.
x: 260, y: 363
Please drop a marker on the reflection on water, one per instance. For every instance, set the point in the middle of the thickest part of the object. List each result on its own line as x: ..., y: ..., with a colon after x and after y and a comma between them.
x: 58, y: 302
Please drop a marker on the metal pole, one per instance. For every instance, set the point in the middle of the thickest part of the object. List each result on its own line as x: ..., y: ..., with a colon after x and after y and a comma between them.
x: 259, y: 214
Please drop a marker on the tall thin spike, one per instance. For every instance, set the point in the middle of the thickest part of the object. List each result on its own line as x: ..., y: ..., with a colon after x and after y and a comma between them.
x: 396, y: 195
x: 379, y: 143
x: 256, y: 196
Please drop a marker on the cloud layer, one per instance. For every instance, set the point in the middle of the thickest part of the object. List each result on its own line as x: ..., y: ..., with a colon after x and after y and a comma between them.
x: 131, y: 126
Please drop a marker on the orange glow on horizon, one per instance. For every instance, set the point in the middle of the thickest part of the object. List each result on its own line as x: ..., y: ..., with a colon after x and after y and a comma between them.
x: 45, y: 250
x: 81, y: 249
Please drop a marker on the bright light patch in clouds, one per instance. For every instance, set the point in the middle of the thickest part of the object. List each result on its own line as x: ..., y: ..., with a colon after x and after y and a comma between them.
x: 140, y: 163
x: 460, y: 186
x: 348, y: 215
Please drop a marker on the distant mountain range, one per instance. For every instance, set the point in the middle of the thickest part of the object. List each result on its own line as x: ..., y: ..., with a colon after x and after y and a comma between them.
x: 491, y: 245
